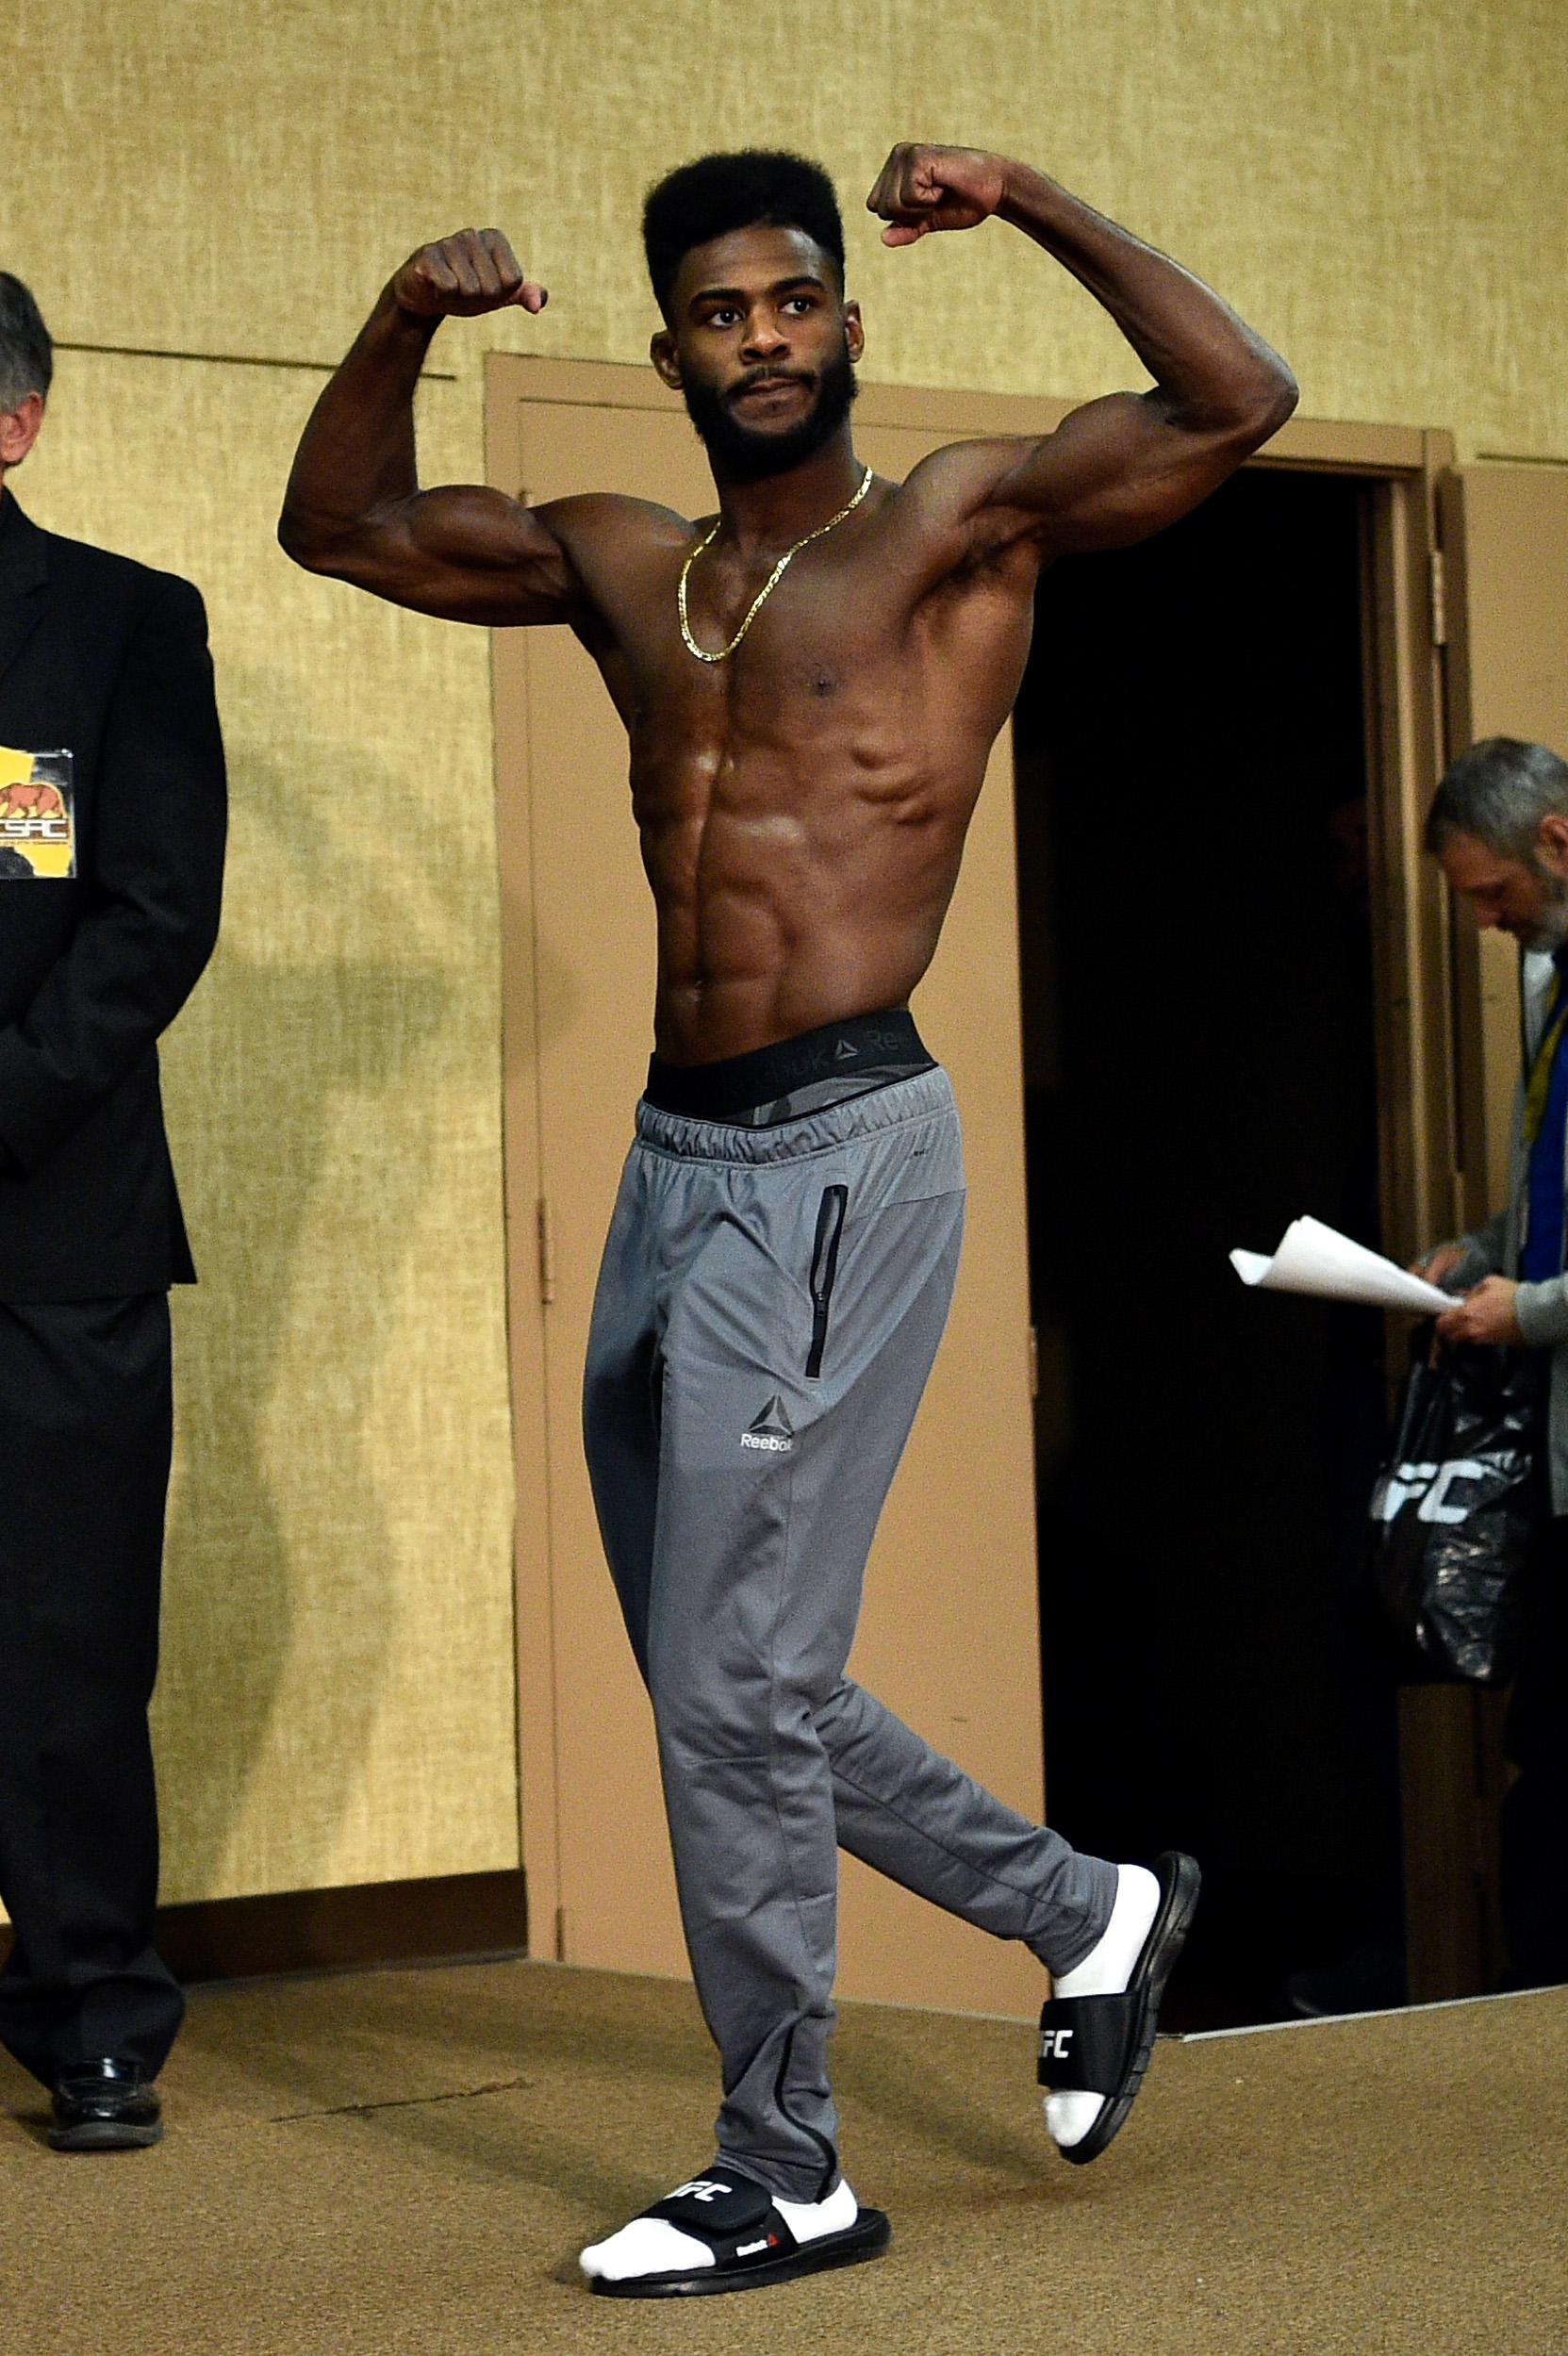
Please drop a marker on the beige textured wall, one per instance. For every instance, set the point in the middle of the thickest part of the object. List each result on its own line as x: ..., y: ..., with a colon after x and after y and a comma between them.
x: 337, y: 1700
x: 1380, y: 185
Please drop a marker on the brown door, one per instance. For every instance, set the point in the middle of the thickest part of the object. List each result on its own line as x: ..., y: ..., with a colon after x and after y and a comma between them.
x: 1504, y: 580
x: 1506, y: 527
x: 949, y: 1635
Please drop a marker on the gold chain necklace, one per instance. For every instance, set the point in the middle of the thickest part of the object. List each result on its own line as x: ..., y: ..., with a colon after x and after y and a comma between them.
x: 769, y: 586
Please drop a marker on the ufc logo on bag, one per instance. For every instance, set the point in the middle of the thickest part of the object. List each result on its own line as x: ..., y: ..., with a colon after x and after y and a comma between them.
x: 1432, y: 1484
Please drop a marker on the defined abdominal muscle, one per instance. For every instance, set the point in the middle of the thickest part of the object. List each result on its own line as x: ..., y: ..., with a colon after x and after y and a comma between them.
x: 792, y: 893
x: 736, y: 982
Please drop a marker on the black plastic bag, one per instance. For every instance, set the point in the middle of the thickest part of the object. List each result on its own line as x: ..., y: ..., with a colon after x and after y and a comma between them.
x: 1456, y: 1510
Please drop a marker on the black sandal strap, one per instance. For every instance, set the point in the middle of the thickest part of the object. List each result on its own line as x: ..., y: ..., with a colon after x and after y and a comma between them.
x: 729, y: 2211
x: 1087, y: 2042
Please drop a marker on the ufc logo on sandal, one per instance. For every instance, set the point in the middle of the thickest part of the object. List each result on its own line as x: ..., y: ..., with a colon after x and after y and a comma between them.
x: 705, y: 2188
x: 1054, y: 2044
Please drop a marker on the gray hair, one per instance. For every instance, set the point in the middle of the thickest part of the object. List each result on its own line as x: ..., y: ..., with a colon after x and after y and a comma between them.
x: 26, y: 354
x: 1500, y: 791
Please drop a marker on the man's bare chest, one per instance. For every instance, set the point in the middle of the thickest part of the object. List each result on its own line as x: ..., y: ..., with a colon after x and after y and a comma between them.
x: 837, y: 652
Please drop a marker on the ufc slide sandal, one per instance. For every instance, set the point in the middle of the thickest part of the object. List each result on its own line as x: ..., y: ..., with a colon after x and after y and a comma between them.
x: 1101, y: 2044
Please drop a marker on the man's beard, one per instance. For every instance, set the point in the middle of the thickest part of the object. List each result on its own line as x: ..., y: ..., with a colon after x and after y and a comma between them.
x: 742, y: 453
x: 1551, y: 925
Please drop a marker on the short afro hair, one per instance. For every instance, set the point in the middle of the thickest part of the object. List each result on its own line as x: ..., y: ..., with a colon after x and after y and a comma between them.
x: 716, y: 193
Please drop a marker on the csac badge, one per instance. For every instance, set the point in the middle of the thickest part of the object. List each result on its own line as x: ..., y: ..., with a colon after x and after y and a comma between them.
x: 38, y: 823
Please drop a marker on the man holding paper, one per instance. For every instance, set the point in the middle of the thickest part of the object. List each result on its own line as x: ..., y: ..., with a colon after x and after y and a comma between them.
x: 1499, y: 829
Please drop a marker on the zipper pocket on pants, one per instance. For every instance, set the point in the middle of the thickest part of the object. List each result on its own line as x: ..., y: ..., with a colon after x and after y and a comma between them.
x: 824, y: 1269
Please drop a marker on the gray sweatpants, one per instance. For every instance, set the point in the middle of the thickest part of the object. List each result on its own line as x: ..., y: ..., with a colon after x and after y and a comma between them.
x: 767, y: 1311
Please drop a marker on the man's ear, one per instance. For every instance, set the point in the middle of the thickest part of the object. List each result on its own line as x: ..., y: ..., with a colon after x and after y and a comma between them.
x: 666, y: 359
x: 1551, y: 844
x: 19, y: 429
x: 854, y: 332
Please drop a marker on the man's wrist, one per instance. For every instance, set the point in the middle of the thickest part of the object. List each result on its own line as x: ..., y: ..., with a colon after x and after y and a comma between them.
x: 418, y: 325
x: 1029, y: 201
x: 1541, y: 1314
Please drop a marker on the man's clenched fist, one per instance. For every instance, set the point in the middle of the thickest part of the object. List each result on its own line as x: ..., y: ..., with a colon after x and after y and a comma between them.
x: 921, y: 189
x: 1485, y: 1315
x: 459, y: 277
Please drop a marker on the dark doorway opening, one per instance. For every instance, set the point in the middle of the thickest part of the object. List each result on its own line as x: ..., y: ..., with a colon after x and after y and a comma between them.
x: 1191, y: 746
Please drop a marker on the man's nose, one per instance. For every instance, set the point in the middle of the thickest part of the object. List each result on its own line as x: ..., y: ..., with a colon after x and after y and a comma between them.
x: 765, y: 336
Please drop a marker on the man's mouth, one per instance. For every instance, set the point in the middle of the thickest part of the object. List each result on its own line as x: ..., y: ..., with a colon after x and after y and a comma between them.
x: 762, y: 385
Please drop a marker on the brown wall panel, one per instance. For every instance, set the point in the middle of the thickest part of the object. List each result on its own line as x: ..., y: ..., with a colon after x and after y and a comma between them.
x: 1515, y: 651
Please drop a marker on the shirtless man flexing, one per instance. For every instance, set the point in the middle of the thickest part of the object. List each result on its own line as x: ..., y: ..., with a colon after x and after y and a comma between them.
x: 811, y: 681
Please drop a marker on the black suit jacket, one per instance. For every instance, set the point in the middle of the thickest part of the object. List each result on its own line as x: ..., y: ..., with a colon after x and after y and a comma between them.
x: 107, y: 660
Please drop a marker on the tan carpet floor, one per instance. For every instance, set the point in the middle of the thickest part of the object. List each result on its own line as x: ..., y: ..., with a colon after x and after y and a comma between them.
x: 408, y: 2159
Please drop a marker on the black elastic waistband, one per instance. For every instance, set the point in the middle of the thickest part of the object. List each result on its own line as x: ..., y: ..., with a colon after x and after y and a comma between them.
x: 864, y: 1049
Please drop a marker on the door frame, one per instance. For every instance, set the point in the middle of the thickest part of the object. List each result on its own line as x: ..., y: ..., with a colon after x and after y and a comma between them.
x: 1432, y: 1141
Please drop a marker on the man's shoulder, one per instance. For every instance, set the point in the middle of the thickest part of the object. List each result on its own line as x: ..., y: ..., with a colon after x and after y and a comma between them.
x: 103, y: 572
x: 614, y: 521
x: 31, y: 555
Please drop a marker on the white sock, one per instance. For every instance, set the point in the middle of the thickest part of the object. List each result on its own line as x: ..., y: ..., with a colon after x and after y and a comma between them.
x: 808, y: 2220
x: 1104, y: 1971
x: 650, y: 2245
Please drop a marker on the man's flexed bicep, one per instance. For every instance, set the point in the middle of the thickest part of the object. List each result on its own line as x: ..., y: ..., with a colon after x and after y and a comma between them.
x: 460, y: 552
x: 353, y: 507
x: 1115, y: 472
x: 1124, y: 467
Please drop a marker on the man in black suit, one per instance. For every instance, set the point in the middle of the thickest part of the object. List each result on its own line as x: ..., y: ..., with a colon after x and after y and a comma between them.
x: 111, y: 823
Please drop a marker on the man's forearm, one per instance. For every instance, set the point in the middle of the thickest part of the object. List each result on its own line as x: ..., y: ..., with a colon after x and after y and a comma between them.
x: 355, y: 464
x: 356, y: 453
x: 1208, y: 363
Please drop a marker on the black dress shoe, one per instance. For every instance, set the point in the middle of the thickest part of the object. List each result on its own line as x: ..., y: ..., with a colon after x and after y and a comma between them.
x: 104, y: 2106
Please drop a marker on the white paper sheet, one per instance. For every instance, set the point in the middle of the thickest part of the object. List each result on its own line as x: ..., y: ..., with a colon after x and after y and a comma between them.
x: 1319, y: 1259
